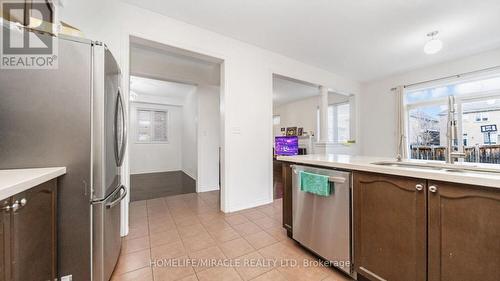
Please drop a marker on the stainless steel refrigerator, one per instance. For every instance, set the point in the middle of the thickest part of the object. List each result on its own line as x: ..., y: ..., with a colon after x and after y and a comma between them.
x: 72, y: 116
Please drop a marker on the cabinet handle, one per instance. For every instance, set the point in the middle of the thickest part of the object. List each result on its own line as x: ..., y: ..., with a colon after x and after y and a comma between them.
x: 12, y: 207
x: 23, y: 202
x: 419, y: 187
x: 15, y: 206
x: 18, y: 204
x: 433, y: 188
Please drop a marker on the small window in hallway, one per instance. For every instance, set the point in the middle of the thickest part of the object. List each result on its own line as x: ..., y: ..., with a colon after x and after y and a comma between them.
x: 152, y: 125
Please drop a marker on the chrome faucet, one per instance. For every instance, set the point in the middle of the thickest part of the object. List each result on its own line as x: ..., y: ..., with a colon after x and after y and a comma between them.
x: 452, y: 153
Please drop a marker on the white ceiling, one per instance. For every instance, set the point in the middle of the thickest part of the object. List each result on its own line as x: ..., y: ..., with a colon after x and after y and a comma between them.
x: 364, y: 40
x: 159, y: 88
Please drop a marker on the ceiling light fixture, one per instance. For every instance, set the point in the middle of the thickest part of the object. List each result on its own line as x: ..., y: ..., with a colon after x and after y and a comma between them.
x: 434, y: 45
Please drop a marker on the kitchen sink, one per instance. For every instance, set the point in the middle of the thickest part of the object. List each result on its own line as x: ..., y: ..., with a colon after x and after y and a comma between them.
x: 454, y: 168
x: 408, y: 165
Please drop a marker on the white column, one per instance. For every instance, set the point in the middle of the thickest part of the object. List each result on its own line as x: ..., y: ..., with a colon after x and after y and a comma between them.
x: 323, y: 114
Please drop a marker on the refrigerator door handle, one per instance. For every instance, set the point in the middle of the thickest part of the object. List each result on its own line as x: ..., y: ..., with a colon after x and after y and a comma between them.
x: 120, y: 114
x: 124, y: 129
x: 115, y: 129
x: 117, y: 201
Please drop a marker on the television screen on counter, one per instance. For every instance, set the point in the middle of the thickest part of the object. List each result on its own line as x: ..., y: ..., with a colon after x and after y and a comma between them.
x: 286, y: 146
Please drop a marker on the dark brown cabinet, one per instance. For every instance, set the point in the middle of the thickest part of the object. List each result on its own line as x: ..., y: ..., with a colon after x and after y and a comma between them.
x: 287, y: 198
x: 4, y: 242
x: 28, y: 234
x: 464, y: 232
x: 390, y: 227
x: 414, y: 229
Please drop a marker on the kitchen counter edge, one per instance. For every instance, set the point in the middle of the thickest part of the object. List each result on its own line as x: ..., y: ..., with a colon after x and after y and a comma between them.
x: 14, y: 181
x: 365, y: 164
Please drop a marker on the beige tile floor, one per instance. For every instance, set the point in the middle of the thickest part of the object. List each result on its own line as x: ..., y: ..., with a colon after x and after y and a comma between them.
x: 168, y: 235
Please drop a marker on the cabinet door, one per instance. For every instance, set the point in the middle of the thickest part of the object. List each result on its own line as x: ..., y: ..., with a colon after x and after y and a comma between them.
x: 464, y: 232
x: 389, y: 227
x: 5, y: 268
x: 34, y: 234
x: 287, y: 198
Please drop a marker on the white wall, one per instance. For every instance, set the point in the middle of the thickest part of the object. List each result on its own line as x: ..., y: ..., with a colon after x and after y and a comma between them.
x: 190, y: 135
x: 246, y: 89
x: 142, y: 98
x: 155, y: 64
x: 303, y: 113
x: 156, y: 157
x: 378, y: 104
x: 208, y: 138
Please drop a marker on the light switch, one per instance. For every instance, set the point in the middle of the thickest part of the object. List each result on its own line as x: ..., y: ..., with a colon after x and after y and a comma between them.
x: 236, y: 130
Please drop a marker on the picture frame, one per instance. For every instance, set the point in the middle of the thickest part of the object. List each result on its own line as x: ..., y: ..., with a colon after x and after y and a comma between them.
x: 291, y: 131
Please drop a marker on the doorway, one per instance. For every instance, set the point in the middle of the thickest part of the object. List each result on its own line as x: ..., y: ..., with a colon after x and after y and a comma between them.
x: 294, y: 113
x: 175, y: 121
x: 297, y: 128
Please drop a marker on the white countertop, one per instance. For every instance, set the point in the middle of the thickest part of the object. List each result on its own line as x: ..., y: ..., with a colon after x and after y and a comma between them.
x: 19, y: 180
x: 364, y: 163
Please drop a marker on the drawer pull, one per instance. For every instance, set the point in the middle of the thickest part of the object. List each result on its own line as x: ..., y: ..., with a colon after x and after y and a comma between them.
x: 433, y: 188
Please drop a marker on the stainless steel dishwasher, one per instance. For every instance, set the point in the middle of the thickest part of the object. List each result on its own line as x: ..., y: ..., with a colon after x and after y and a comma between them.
x: 323, y: 224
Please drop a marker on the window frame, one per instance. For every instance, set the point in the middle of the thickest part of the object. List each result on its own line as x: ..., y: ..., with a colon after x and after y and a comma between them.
x: 152, y: 127
x: 335, y: 122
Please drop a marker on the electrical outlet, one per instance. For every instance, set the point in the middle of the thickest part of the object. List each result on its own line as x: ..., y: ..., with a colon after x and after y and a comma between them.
x: 67, y: 278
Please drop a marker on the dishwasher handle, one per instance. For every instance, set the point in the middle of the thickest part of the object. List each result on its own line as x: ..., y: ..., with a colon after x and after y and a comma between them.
x: 330, y: 179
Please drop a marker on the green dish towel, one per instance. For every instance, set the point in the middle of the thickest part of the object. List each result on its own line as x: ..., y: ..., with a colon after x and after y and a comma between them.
x: 315, y: 184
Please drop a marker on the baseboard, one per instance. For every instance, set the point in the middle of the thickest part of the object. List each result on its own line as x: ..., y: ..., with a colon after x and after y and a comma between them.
x: 254, y: 204
x: 207, y: 189
x: 155, y: 172
x: 189, y: 174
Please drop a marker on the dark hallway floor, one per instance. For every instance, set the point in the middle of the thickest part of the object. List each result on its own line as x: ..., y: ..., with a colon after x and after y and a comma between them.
x: 156, y: 185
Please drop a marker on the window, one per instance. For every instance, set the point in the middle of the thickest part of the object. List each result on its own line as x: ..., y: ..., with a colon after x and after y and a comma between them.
x: 343, y: 122
x: 152, y: 126
x: 276, y: 119
x: 490, y: 138
x: 478, y: 116
x: 482, y: 117
x: 339, y: 125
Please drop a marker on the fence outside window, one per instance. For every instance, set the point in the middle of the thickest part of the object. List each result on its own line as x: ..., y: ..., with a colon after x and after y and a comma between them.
x: 478, y: 154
